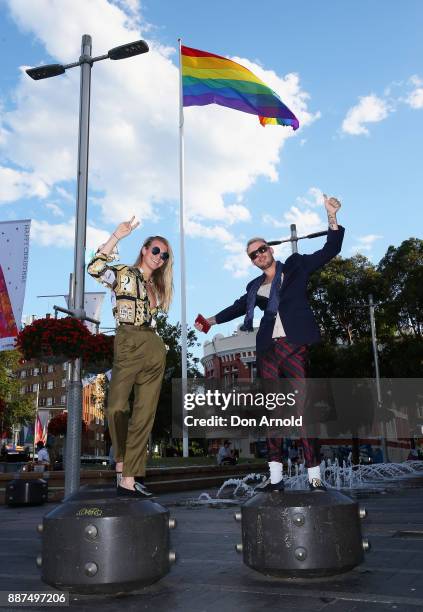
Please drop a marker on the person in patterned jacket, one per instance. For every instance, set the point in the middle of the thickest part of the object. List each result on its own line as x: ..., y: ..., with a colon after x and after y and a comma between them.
x: 138, y: 291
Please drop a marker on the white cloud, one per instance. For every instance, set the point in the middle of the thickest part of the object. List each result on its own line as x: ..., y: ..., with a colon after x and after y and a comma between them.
x: 16, y: 184
x: 55, y: 209
x: 313, y: 198
x: 370, y: 109
x: 62, y: 235
x: 365, y: 243
x: 416, y: 80
x: 306, y: 220
x: 415, y: 98
x: 218, y: 233
x: 270, y: 220
x: 134, y: 122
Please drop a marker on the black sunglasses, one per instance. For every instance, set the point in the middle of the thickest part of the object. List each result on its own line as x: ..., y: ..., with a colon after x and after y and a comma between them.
x: 258, y: 251
x: 164, y: 255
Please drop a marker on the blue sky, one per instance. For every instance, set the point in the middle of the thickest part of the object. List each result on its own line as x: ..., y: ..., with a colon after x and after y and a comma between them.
x: 352, y: 72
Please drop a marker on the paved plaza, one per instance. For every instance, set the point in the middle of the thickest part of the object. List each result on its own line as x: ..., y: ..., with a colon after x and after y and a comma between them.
x: 209, y: 575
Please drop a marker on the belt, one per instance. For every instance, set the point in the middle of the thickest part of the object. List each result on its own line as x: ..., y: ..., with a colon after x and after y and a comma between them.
x: 143, y: 327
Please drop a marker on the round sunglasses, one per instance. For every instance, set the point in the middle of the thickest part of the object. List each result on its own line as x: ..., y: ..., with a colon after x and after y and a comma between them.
x: 164, y: 255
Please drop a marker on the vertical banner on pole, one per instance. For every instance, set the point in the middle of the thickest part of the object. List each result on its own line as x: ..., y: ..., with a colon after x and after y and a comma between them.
x: 14, y: 251
x: 93, y: 301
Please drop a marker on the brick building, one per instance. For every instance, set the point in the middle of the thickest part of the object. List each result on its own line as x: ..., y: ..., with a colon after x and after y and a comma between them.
x: 232, y: 357
x: 48, y: 383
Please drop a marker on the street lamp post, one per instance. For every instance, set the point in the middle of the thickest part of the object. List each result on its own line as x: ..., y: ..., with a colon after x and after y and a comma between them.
x: 86, y: 61
x: 377, y: 377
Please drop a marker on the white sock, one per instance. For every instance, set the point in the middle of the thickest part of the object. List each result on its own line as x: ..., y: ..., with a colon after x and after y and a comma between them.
x: 275, y: 471
x: 313, y: 472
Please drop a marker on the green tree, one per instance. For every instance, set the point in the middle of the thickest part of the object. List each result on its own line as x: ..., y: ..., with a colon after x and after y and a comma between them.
x: 402, y: 272
x: 339, y: 296
x: 171, y: 336
x: 15, y: 409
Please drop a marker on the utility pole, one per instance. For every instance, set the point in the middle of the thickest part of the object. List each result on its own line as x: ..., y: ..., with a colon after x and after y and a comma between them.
x: 377, y: 375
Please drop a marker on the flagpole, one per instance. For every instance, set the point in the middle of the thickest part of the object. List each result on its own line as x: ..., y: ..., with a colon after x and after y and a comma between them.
x: 184, y: 338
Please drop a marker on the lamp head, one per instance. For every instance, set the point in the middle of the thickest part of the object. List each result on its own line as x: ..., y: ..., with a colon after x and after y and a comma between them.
x: 128, y: 50
x: 45, y: 72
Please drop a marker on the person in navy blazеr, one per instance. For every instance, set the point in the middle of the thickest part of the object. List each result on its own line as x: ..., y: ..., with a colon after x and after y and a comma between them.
x: 287, y: 327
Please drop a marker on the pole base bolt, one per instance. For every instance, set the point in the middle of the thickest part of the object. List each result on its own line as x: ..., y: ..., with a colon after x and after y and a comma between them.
x: 91, y: 569
x: 300, y: 553
x: 91, y: 531
x: 172, y: 556
x: 298, y: 520
x: 238, y: 516
x: 362, y: 513
x: 172, y: 523
x: 366, y: 544
x: 238, y: 548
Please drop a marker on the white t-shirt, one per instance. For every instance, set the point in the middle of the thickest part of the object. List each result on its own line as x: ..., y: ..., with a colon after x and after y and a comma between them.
x: 43, y: 456
x: 278, y: 330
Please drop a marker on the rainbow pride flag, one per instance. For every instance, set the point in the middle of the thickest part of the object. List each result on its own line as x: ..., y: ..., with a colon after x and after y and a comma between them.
x: 212, y: 79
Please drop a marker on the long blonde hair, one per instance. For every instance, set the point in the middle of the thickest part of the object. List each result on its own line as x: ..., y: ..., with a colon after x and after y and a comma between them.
x: 163, y: 276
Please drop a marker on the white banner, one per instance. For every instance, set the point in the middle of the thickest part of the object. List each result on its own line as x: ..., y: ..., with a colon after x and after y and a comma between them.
x: 93, y: 302
x: 14, y: 251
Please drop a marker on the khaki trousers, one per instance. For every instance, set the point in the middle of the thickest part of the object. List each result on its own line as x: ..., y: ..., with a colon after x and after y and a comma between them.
x: 139, y: 363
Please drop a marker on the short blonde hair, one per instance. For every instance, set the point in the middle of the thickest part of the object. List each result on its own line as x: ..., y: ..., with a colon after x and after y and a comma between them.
x: 256, y: 239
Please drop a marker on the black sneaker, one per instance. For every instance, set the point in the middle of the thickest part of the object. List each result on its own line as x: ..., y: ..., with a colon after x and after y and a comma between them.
x: 316, y: 485
x: 269, y: 487
x: 140, y: 480
x: 139, y: 492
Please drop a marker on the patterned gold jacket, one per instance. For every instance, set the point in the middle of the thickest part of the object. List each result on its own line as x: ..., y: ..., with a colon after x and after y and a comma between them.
x: 129, y: 293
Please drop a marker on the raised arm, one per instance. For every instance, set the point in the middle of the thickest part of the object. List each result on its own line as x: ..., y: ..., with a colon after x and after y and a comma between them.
x: 122, y: 230
x: 334, y: 240
x: 98, y: 268
x: 332, y: 206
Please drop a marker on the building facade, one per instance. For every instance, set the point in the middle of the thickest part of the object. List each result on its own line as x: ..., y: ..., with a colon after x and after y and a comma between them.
x: 47, y: 385
x: 231, y: 358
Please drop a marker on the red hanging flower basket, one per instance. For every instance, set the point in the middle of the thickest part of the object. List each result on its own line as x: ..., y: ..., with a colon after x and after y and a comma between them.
x: 53, y: 340
x: 58, y: 425
x: 97, y: 355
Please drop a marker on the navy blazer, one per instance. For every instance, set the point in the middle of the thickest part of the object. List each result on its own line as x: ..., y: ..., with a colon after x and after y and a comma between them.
x: 294, y: 309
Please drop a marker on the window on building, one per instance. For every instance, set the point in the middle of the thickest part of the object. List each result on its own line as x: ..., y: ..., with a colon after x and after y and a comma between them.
x: 35, y: 388
x: 42, y: 401
x: 63, y: 382
x: 65, y: 366
x: 36, y: 371
x: 23, y: 373
x: 63, y: 400
x: 50, y: 384
x: 22, y: 390
x: 49, y: 401
x: 50, y: 368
